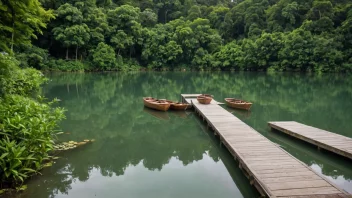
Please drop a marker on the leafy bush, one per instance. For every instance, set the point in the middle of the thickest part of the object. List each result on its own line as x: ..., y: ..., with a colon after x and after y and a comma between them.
x: 18, y: 81
x: 26, y: 130
x: 129, y: 65
x: 14, y: 161
x: 64, y: 65
x: 27, y: 123
x: 32, y: 56
x: 104, y: 57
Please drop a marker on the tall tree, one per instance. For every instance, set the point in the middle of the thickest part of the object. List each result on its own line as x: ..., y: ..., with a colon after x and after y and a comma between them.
x: 71, y: 31
x: 20, y: 20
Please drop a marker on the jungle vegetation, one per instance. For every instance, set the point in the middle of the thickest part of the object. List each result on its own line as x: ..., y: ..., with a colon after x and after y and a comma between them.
x: 257, y: 35
x: 27, y: 120
x: 27, y: 123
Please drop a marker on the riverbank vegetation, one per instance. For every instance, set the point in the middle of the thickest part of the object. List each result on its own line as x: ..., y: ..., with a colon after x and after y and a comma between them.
x: 99, y: 35
x: 27, y: 120
x: 27, y: 123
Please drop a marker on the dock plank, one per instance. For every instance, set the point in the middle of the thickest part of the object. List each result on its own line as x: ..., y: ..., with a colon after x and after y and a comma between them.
x: 273, y: 171
x: 304, y: 191
x: 333, y: 142
x: 298, y: 185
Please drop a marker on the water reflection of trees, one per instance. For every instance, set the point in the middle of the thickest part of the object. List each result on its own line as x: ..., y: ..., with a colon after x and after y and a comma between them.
x: 112, y: 153
x: 107, y: 107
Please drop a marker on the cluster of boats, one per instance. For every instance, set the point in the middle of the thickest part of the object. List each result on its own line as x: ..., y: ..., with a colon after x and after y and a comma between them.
x: 164, y: 105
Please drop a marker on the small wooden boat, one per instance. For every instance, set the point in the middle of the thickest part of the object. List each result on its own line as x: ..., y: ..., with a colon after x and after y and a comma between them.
x: 178, y: 105
x: 238, y: 104
x: 156, y: 104
x: 204, y: 98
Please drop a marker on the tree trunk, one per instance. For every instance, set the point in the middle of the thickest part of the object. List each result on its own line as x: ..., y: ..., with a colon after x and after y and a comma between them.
x: 130, y: 52
x: 166, y: 16
x: 13, y: 28
x: 76, y: 51
x: 66, y: 53
x: 13, y: 35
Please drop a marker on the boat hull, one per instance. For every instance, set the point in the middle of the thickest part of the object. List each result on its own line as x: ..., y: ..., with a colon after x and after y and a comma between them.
x: 160, y: 105
x: 238, y: 104
x: 178, y: 106
x: 204, y: 99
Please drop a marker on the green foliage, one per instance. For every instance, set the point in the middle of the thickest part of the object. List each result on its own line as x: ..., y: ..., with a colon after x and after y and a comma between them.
x: 20, y: 20
x: 14, y: 161
x: 13, y: 80
x: 32, y: 56
x: 148, y: 18
x: 165, y: 34
x: 73, y: 32
x: 26, y: 130
x: 26, y: 124
x: 65, y: 65
x: 104, y: 57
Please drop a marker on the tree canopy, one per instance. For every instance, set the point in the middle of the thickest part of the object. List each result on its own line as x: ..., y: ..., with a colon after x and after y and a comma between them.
x: 284, y: 35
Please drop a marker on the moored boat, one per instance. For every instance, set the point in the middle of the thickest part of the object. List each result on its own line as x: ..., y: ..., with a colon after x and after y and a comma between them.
x: 178, y: 105
x: 156, y: 104
x: 204, y: 98
x: 238, y: 104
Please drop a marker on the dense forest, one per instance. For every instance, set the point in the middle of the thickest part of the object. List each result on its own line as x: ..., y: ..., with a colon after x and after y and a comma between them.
x: 258, y: 35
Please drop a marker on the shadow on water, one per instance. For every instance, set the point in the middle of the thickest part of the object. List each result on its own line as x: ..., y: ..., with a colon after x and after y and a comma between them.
x: 139, y: 152
x: 157, y: 114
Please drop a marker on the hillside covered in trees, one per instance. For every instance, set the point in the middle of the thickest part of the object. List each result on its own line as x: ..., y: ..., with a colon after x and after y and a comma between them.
x: 282, y: 35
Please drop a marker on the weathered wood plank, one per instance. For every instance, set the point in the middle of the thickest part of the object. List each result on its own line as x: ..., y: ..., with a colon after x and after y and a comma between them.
x: 324, y: 139
x: 283, y: 170
x: 273, y: 171
x: 287, y: 174
x: 319, y: 196
x: 298, y: 185
x: 291, y: 179
x: 305, y: 191
x: 273, y: 167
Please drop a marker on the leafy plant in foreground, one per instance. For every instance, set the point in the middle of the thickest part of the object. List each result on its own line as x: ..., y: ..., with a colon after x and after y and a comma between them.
x: 27, y: 122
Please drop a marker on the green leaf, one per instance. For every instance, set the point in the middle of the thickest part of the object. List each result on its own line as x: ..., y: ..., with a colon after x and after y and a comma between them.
x: 28, y: 169
x: 16, y: 165
x: 14, y: 172
x: 7, y: 174
x: 3, y: 155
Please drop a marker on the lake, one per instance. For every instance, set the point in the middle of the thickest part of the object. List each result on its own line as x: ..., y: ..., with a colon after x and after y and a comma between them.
x: 139, y: 152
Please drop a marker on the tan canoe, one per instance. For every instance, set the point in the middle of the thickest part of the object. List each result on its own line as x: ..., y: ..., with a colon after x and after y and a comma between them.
x: 238, y: 104
x: 156, y: 104
x: 178, y: 105
x: 204, y: 98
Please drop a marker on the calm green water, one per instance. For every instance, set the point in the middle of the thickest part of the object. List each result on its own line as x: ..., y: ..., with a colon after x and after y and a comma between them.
x: 142, y: 153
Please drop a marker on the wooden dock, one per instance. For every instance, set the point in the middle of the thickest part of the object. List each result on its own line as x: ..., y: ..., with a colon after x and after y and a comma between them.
x: 333, y: 142
x: 273, y: 171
